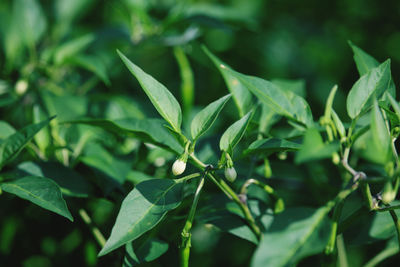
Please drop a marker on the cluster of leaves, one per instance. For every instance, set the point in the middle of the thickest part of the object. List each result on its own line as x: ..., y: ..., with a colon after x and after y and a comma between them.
x: 282, y: 182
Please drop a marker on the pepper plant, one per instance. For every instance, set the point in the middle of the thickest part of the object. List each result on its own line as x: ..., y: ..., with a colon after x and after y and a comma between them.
x: 247, y: 183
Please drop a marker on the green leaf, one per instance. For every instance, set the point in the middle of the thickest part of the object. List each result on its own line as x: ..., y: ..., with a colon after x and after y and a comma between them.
x: 142, y: 209
x: 296, y: 86
x: 71, y: 183
x: 147, y: 252
x: 339, y: 124
x: 91, y: 63
x: 162, y: 99
x: 380, y: 133
x: 313, y: 147
x: 293, y: 235
x: 241, y: 95
x: 283, y: 102
x: 230, y: 223
x: 11, y: 146
x: 363, y: 61
x: 206, y: 117
x: 271, y: 145
x: 268, y: 118
x: 40, y: 191
x: 372, y: 84
x: 5, y: 130
x: 147, y: 130
x: 395, y: 106
x: 234, y: 133
x: 72, y: 48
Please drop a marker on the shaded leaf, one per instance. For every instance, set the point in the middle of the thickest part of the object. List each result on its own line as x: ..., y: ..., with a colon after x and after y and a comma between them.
x: 142, y: 209
x: 40, y: 191
x: 11, y: 146
x: 71, y: 183
x: 149, y: 251
x: 147, y: 130
x: 293, y: 235
x: 271, y: 145
x: 313, y: 147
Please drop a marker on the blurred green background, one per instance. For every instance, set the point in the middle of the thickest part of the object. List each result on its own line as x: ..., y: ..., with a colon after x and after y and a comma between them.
x: 59, y: 57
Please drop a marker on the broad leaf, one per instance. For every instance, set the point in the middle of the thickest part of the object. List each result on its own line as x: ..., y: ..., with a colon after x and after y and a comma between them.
x: 71, y: 183
x: 296, y: 86
x: 283, y: 102
x: 147, y: 130
x: 206, y: 117
x: 313, y: 147
x: 372, y: 84
x: 142, y: 209
x: 40, y: 191
x: 364, y: 62
x: 241, y: 96
x: 293, y: 235
x: 271, y: 145
x: 149, y: 251
x: 11, y: 146
x: 380, y: 133
x: 162, y: 99
x: 234, y: 133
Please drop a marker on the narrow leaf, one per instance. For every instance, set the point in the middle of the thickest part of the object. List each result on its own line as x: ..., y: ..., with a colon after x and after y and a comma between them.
x: 40, y: 191
x: 373, y: 83
x: 147, y: 130
x: 271, y: 145
x: 380, y: 133
x: 364, y: 62
x: 142, y: 209
x: 162, y: 99
x: 11, y: 146
x: 241, y: 95
x: 234, y: 133
x: 283, y: 102
x: 206, y: 117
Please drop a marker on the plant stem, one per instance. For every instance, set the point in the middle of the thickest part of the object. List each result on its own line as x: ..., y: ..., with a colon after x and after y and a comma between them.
x: 188, y: 177
x: 228, y: 191
x: 336, y: 216
x: 396, y: 224
x: 341, y: 252
x: 96, y: 232
x: 186, y: 234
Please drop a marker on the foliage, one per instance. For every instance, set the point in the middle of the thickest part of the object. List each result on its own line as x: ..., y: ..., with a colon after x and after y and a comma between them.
x: 92, y: 129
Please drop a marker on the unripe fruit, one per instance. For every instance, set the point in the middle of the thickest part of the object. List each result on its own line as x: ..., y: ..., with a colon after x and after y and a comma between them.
x: 178, y: 167
x: 230, y: 174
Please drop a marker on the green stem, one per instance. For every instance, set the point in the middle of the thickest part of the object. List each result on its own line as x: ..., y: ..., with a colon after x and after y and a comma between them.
x: 336, y: 216
x: 342, y: 256
x: 228, y: 191
x: 188, y: 177
x: 396, y: 223
x: 96, y: 232
x: 186, y: 234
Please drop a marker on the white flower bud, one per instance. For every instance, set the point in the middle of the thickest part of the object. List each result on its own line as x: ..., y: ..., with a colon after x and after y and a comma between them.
x: 230, y: 174
x: 178, y: 167
x: 21, y: 87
